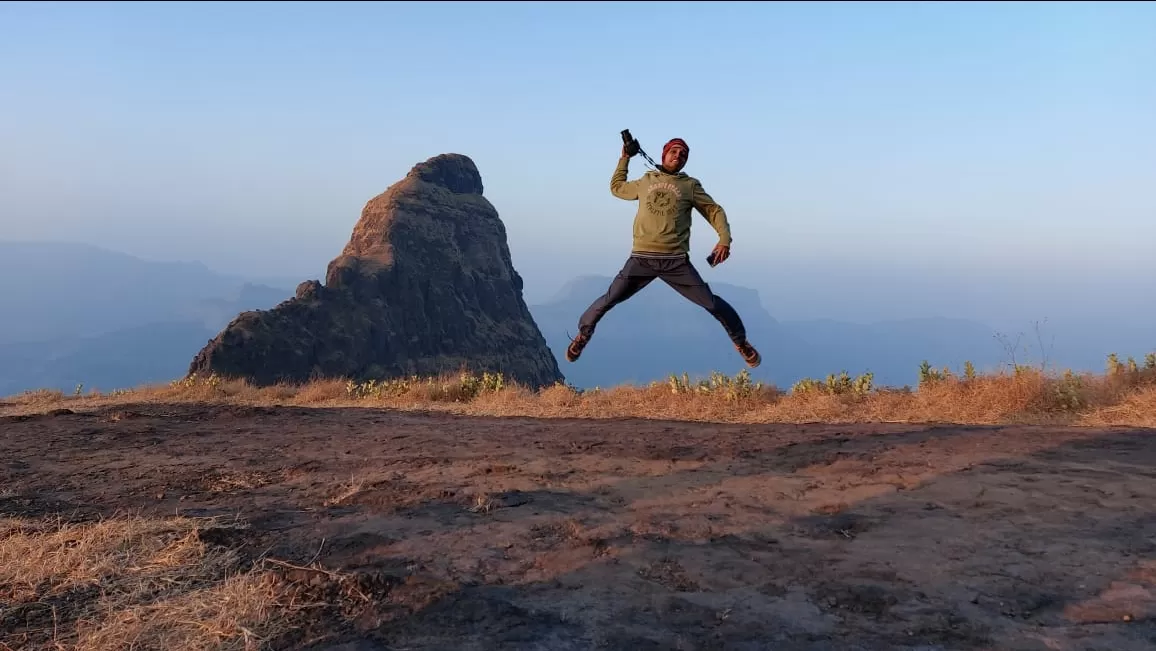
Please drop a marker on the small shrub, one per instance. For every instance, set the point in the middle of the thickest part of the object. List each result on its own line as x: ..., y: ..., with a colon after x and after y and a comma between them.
x: 808, y: 385
x: 471, y: 386
x: 837, y: 385
x: 192, y: 381
x: 968, y: 370
x: 928, y: 375
x: 1114, y: 367
x: 1125, y: 374
x: 1068, y: 392
x: 378, y: 389
x: 463, y: 388
x: 739, y: 387
x: 1022, y: 370
x: 863, y: 384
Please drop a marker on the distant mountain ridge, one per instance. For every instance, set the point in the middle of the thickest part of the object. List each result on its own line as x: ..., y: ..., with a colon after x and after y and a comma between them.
x: 658, y: 333
x: 72, y: 290
x: 80, y: 314
x: 110, y: 320
x: 124, y: 358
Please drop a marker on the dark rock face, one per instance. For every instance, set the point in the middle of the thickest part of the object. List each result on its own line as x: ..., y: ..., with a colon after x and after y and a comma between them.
x: 425, y: 286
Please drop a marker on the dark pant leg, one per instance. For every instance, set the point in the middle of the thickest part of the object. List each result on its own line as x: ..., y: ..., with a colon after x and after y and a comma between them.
x: 633, y: 276
x: 681, y: 275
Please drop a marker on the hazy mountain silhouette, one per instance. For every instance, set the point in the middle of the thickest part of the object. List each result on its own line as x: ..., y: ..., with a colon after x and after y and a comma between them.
x: 81, y: 314
x: 893, y: 350
x: 56, y: 290
x: 145, y: 354
x: 658, y: 332
x: 75, y: 313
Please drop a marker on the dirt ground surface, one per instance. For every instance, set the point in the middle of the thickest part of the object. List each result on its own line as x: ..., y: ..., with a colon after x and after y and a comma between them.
x: 520, y: 534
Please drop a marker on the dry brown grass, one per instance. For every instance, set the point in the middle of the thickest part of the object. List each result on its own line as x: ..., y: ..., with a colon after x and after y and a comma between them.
x: 130, y: 582
x: 1122, y: 396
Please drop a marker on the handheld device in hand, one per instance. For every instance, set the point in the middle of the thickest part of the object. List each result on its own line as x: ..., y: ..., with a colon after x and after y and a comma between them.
x: 630, y: 145
x: 710, y: 259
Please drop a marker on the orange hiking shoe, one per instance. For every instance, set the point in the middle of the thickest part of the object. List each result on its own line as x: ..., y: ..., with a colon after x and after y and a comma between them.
x: 574, y: 350
x: 750, y: 355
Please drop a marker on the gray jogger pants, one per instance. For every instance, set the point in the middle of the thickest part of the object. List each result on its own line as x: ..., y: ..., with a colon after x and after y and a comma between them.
x: 680, y: 274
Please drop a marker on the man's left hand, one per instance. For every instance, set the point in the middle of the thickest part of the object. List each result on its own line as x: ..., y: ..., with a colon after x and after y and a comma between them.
x: 720, y: 253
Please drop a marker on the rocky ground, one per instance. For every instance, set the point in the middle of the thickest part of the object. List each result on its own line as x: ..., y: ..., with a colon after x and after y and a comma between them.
x: 434, y: 531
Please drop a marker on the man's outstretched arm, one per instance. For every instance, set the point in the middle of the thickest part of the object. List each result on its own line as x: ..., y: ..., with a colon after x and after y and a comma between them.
x: 713, y: 213
x: 619, y: 186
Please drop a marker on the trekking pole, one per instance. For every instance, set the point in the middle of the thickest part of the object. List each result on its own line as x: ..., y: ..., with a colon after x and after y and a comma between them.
x: 627, y: 139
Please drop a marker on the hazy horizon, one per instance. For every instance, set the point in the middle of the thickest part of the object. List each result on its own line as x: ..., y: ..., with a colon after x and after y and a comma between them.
x: 1093, y: 322
x: 104, y: 319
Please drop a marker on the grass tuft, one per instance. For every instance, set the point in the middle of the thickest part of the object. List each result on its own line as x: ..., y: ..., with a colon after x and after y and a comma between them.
x: 131, y: 582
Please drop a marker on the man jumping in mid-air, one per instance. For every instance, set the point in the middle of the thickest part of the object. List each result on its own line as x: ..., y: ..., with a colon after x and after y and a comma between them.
x: 662, y: 244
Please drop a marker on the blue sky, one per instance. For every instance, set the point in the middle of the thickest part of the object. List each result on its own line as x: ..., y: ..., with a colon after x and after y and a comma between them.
x: 972, y: 146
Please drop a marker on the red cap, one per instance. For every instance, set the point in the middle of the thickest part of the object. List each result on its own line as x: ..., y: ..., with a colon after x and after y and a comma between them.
x: 674, y: 141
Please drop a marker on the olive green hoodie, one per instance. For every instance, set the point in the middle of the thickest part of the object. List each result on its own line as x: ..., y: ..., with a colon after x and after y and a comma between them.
x: 662, y: 223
